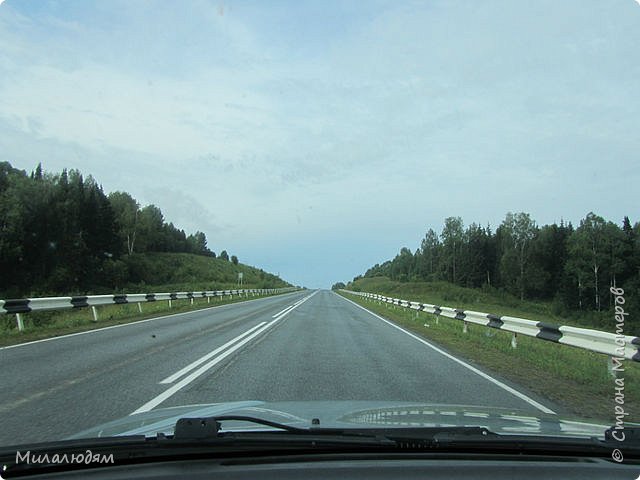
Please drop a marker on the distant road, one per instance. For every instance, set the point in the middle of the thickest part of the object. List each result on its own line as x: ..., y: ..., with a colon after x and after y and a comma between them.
x: 300, y: 346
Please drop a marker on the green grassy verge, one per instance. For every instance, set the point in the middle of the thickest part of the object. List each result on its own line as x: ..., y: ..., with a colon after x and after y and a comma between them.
x: 187, y: 272
x: 575, y: 379
x: 39, y: 325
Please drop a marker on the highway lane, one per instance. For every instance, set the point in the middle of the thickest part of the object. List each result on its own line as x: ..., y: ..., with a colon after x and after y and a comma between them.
x: 331, y: 349
x: 55, y: 388
x: 302, y: 346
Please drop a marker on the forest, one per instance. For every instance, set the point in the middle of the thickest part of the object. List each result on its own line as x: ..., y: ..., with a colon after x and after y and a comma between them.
x: 60, y: 234
x: 574, y: 267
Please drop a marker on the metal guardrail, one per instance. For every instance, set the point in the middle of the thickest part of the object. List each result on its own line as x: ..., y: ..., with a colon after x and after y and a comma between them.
x: 611, y: 344
x: 25, y: 305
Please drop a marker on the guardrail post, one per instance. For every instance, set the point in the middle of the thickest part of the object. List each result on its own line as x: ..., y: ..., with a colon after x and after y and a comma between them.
x: 169, y: 303
x: 140, y: 307
x: 465, y: 328
x: 208, y: 299
x: 19, y: 322
x: 95, y: 313
x: 191, y: 300
x: 514, y: 340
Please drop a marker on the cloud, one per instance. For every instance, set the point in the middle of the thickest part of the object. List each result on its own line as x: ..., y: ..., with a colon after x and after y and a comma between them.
x: 330, y: 125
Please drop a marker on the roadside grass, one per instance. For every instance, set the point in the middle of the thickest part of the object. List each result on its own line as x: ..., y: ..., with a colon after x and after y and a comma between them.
x: 575, y: 379
x: 187, y: 272
x: 45, y: 324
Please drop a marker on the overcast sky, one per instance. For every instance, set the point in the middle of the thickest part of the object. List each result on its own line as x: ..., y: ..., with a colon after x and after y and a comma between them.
x: 315, y: 139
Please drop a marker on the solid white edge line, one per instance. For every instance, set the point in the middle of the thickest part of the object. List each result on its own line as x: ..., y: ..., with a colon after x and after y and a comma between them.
x: 204, y: 358
x: 140, y: 321
x: 500, y: 384
x: 190, y: 378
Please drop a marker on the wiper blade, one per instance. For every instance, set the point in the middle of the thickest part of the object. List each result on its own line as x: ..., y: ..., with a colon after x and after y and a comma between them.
x: 421, y: 439
x: 209, y: 427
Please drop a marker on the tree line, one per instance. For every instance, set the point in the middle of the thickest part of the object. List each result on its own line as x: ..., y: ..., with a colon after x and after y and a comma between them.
x: 61, y: 233
x: 574, y: 267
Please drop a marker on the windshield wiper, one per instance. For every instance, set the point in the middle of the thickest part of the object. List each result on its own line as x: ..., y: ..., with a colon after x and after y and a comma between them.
x: 211, y: 428
x: 208, y: 427
x: 443, y: 439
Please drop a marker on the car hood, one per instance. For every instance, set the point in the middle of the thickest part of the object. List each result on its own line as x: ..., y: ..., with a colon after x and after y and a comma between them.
x: 351, y: 414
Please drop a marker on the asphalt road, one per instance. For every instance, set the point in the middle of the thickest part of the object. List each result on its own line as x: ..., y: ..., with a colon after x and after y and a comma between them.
x: 309, y: 345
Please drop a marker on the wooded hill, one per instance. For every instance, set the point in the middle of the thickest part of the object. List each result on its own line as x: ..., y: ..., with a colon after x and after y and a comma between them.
x: 572, y: 267
x: 61, y: 235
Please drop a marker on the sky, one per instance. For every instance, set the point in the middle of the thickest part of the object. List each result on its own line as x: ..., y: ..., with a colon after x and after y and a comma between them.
x: 315, y: 139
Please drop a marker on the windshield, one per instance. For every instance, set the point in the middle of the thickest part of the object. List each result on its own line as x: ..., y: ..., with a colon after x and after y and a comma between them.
x: 322, y: 214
